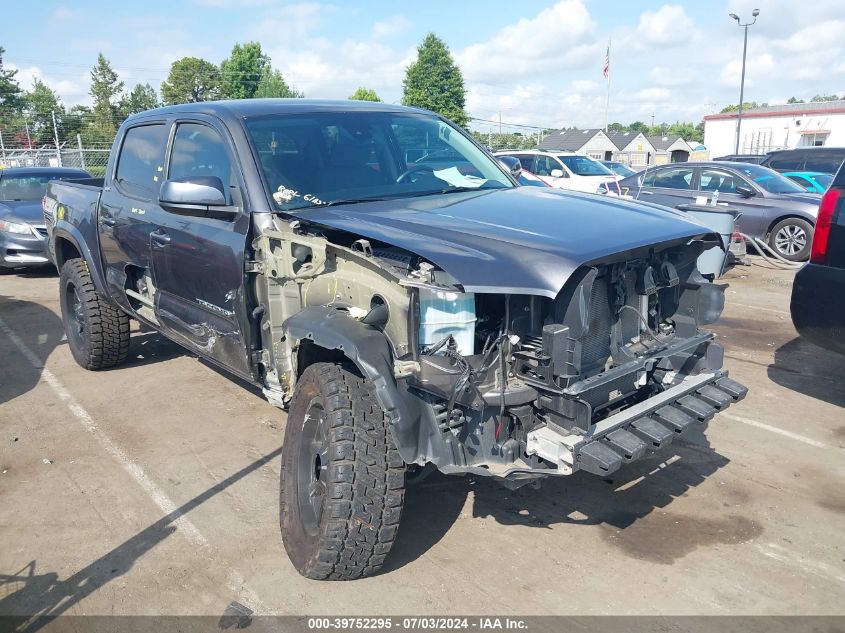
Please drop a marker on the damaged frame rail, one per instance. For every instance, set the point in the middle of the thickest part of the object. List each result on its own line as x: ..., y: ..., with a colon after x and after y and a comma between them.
x: 649, y: 425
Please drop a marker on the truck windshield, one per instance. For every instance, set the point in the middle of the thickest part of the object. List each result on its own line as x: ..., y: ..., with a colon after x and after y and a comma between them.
x: 319, y: 158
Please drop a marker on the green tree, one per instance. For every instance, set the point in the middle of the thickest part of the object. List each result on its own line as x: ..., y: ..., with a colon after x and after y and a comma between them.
x: 617, y: 127
x: 794, y: 100
x: 11, y: 96
x: 818, y: 98
x: 745, y: 106
x: 242, y: 72
x: 190, y: 80
x: 105, y: 88
x: 638, y: 126
x: 273, y: 85
x: 435, y: 82
x: 365, y: 94
x: 41, y: 104
x: 142, y: 97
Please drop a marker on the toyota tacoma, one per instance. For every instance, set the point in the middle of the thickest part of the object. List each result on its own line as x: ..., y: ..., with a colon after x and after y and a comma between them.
x: 382, y: 278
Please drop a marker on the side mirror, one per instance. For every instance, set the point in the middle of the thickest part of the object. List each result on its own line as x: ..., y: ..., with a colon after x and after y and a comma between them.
x: 746, y: 192
x: 198, y: 196
x: 556, y: 173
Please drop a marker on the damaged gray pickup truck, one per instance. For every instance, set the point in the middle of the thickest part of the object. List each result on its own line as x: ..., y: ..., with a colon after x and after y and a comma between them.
x: 381, y: 277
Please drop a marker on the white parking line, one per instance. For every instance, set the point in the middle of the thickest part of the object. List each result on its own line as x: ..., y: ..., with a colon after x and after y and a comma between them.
x: 761, y: 308
x: 165, y: 504
x: 779, y: 431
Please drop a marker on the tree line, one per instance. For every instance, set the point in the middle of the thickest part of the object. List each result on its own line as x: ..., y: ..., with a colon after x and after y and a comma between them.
x: 37, y: 117
x: 433, y: 82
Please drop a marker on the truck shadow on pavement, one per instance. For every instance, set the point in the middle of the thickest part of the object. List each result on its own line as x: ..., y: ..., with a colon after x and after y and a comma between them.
x: 630, y: 509
x: 32, y: 599
x: 810, y: 370
x: 44, y: 332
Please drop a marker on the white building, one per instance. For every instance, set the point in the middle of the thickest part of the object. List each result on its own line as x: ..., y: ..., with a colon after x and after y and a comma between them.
x: 777, y: 127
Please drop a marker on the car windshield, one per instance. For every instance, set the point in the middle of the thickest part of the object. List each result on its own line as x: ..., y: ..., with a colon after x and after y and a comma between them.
x: 584, y: 166
x: 770, y: 180
x: 28, y: 187
x: 319, y: 158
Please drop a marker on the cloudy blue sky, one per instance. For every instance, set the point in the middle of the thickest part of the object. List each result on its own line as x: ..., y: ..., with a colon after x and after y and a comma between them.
x: 538, y: 63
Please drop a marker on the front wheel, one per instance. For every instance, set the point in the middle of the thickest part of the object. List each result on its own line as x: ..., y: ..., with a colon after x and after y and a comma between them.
x: 97, y: 333
x: 342, y: 480
x: 791, y: 239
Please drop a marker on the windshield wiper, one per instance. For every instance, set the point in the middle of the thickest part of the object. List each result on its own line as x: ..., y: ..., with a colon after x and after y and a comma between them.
x: 334, y: 203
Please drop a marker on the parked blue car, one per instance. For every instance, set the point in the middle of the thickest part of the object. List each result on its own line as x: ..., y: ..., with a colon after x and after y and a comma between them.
x: 812, y: 181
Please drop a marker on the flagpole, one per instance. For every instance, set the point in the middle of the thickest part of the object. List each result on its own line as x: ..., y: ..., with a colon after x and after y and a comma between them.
x: 607, y: 100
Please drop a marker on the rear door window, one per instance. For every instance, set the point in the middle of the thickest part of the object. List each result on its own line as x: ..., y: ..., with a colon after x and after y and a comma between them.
x: 141, y: 160
x: 794, y: 162
x: 827, y: 164
x: 673, y: 178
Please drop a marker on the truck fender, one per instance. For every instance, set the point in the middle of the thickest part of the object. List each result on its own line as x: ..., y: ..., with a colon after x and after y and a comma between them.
x: 369, y: 349
x: 70, y: 233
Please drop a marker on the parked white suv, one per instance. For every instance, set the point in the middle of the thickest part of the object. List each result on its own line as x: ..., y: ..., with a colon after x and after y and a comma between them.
x: 566, y: 170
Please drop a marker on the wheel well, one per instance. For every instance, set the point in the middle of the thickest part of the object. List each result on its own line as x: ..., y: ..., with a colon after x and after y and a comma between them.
x: 787, y: 217
x: 65, y: 250
x: 309, y: 353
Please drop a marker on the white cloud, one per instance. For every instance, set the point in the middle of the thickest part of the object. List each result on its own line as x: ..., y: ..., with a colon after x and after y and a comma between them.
x: 63, y: 14
x: 391, y: 26
x: 669, y: 77
x: 72, y: 90
x: 668, y: 26
x: 292, y: 21
x: 756, y: 66
x: 558, y: 37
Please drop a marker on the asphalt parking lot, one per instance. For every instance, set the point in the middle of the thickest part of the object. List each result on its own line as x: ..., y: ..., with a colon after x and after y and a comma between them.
x: 152, y: 488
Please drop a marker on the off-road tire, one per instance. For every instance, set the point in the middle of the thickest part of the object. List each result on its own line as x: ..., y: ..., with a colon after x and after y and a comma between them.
x: 364, y: 477
x: 791, y: 226
x: 97, y: 333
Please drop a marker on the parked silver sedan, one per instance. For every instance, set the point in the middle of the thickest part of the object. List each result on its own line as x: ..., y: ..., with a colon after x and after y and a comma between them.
x: 774, y: 208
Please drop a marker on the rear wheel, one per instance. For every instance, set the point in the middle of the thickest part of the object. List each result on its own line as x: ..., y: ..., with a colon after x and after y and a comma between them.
x: 342, y: 480
x: 97, y: 333
x: 791, y: 239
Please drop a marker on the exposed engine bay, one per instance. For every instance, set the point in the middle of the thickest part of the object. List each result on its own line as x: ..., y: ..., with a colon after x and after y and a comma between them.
x: 507, y: 384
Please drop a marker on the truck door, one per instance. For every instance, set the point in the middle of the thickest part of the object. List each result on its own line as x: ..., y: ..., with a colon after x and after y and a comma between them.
x: 128, y: 204
x: 197, y: 261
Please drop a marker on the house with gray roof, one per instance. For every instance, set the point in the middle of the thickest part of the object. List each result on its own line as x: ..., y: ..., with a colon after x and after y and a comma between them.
x: 592, y: 142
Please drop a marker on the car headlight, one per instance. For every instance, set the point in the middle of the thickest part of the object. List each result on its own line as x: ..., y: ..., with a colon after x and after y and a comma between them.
x: 15, y: 227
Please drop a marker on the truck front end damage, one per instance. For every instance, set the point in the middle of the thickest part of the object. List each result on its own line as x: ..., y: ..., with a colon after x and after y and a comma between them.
x: 515, y: 386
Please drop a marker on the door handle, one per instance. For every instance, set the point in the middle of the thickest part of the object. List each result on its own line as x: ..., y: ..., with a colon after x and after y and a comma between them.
x: 108, y: 220
x: 160, y: 237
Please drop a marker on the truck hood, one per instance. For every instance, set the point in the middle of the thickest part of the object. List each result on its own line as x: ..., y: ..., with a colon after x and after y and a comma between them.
x: 524, y: 240
x: 26, y: 211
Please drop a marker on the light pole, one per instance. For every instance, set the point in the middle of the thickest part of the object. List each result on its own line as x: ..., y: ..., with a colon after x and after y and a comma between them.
x: 745, y: 26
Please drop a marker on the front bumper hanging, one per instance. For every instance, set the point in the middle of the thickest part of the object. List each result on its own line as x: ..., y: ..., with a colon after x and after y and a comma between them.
x: 648, y: 426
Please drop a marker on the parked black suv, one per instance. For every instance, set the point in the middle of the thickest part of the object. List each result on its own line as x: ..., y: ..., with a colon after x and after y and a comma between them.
x: 823, y: 159
x: 818, y: 292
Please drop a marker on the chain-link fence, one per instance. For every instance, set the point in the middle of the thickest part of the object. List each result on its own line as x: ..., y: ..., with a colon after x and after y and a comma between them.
x: 91, y: 160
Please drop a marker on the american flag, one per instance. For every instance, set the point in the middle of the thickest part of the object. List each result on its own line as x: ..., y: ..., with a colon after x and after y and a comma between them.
x: 606, y: 70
